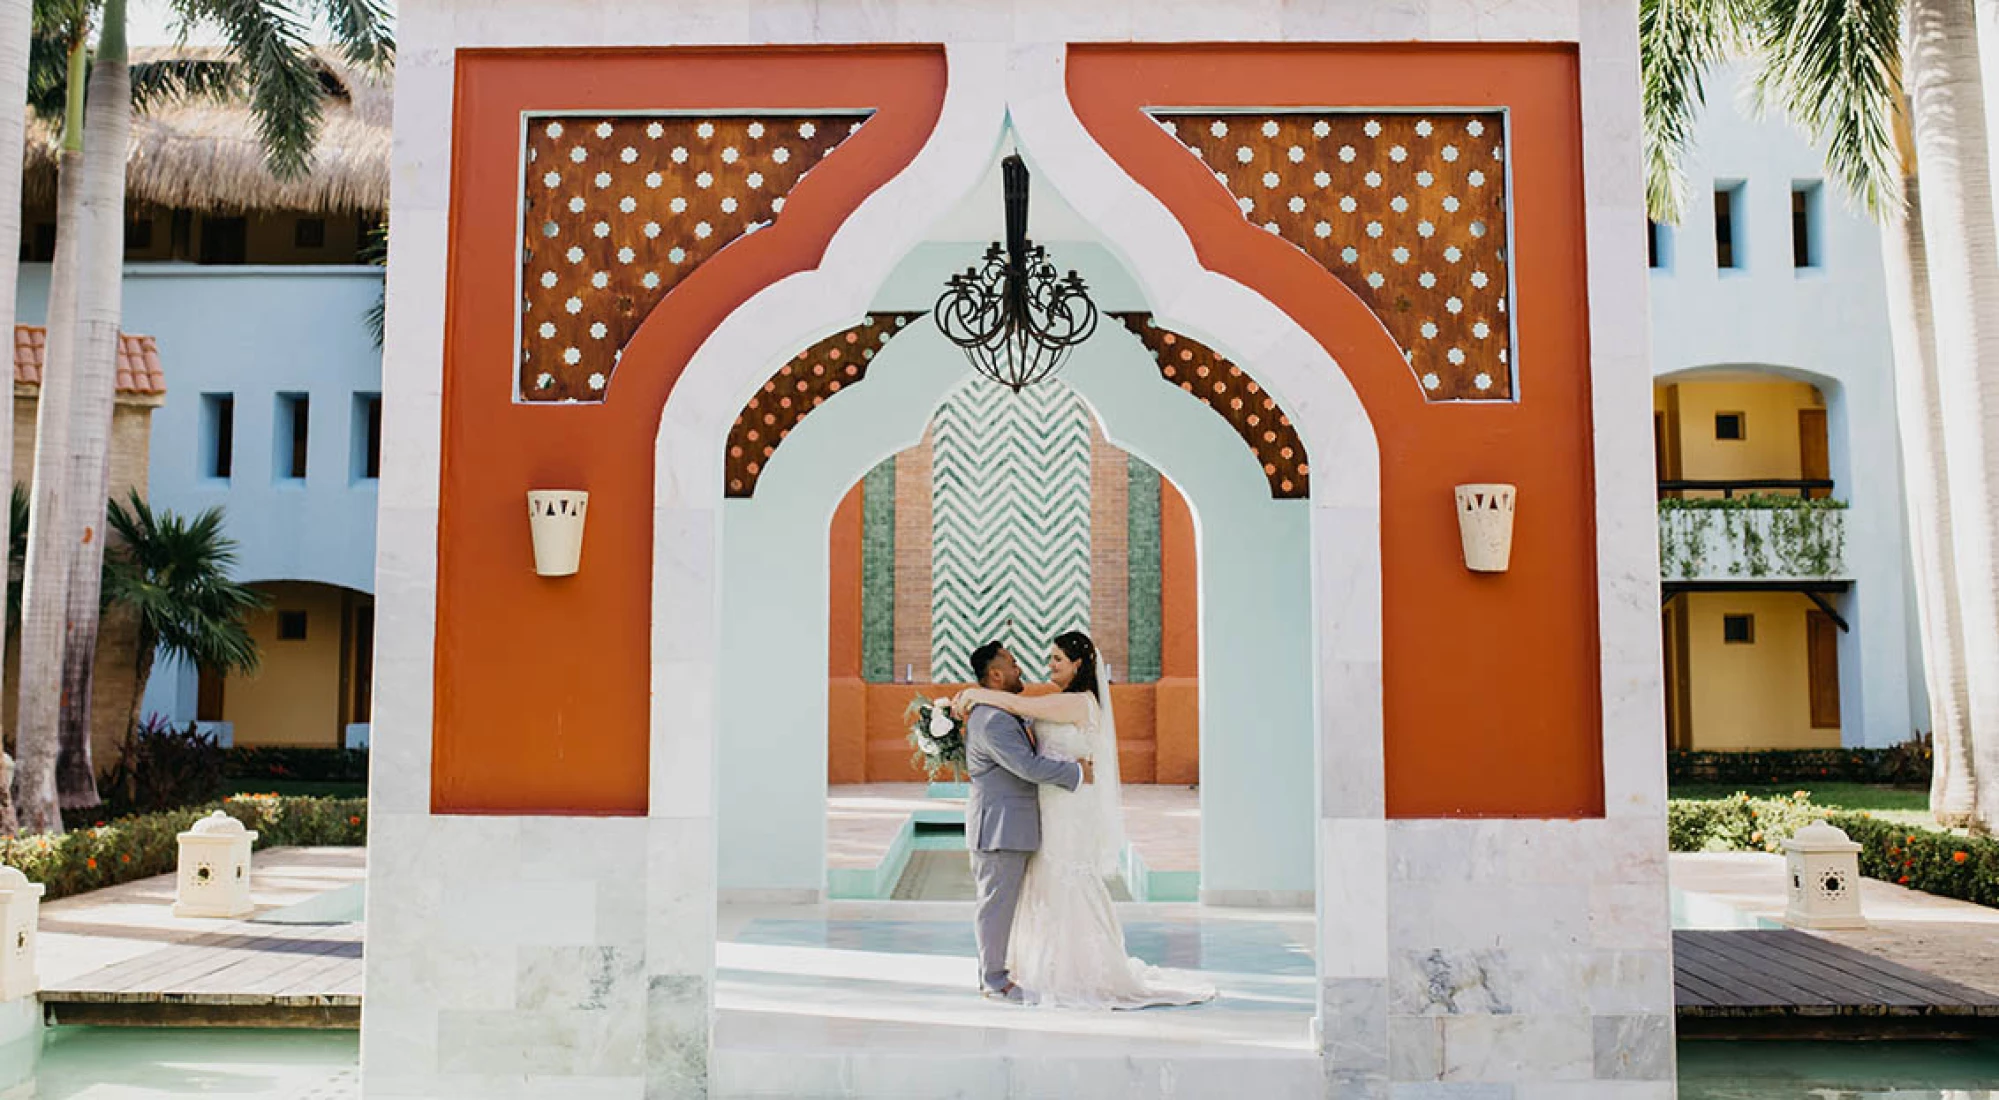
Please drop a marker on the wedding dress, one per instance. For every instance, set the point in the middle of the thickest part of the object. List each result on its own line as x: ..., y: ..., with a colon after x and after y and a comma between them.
x: 1067, y: 948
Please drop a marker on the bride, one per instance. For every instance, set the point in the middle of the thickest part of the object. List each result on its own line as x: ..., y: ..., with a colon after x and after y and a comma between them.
x: 1068, y: 946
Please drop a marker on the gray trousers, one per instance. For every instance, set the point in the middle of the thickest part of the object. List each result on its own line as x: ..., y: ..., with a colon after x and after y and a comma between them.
x: 998, y: 875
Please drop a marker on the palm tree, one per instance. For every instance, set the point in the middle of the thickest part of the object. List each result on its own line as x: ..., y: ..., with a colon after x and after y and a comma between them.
x: 1839, y: 70
x: 275, y: 68
x: 16, y: 28
x: 174, y: 575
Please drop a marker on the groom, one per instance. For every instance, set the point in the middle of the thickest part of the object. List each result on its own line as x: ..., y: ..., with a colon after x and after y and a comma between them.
x: 1003, y: 816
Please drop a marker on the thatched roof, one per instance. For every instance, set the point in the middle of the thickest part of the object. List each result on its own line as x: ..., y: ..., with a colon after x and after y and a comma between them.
x: 204, y: 154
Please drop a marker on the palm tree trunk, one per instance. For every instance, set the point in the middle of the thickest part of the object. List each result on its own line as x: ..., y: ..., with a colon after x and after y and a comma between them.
x: 100, y: 285
x: 142, y: 675
x: 1919, y: 408
x: 1962, y: 249
x: 16, y: 22
x: 45, y: 574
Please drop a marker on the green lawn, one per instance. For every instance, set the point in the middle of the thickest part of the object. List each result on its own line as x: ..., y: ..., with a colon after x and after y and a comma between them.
x: 1907, y: 805
x: 296, y: 787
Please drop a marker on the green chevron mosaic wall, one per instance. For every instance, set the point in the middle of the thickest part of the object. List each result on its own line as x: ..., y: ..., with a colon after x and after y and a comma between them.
x: 878, y: 573
x: 1142, y: 579
x: 1010, y: 556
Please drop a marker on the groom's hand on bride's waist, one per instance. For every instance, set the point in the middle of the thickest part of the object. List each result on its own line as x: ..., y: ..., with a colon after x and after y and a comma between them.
x: 1089, y: 775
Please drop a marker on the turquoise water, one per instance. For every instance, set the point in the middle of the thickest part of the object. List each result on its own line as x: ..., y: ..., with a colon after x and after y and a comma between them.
x: 1722, y: 1070
x: 81, y: 1063
x: 100, y: 1063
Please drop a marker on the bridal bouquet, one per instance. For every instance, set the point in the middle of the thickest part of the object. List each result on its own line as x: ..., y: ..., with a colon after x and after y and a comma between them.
x: 938, y: 737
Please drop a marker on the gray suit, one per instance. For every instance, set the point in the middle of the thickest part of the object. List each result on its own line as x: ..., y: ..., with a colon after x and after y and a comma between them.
x: 1003, y: 823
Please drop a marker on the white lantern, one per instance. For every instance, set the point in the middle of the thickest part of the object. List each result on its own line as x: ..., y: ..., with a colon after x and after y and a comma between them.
x: 1485, y: 526
x: 215, y: 869
x: 1824, y: 868
x: 20, y: 908
x: 555, y: 519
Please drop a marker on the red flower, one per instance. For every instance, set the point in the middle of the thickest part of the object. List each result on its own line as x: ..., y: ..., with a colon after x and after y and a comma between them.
x: 354, y: 820
x: 127, y: 858
x: 91, y: 863
x: 1959, y: 857
x: 1904, y: 880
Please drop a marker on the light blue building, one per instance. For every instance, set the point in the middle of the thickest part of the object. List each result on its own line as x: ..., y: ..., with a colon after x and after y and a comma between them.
x: 259, y: 298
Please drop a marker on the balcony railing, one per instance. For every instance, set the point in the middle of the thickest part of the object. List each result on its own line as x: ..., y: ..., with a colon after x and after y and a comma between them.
x: 1756, y: 538
x: 1806, y: 488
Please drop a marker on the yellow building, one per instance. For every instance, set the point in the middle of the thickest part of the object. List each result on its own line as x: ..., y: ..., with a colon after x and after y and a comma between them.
x: 1749, y: 620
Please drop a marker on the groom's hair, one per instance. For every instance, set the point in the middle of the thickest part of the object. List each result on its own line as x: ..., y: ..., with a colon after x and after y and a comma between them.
x: 982, y: 659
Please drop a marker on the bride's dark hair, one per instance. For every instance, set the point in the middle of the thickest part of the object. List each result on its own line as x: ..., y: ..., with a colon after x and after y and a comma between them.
x: 1078, y: 647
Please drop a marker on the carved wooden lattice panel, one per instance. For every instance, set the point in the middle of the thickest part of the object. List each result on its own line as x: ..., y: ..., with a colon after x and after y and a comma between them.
x: 1230, y: 391
x: 617, y: 210
x: 1408, y: 210
x: 801, y: 385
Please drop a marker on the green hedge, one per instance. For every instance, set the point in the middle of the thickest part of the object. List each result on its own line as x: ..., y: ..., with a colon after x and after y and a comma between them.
x: 314, y: 765
x: 1929, y: 860
x: 1905, y: 765
x: 143, y: 845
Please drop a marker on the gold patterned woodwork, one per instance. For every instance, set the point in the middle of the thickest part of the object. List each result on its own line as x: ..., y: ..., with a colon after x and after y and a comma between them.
x: 1408, y: 210
x: 1230, y: 391
x: 617, y: 210
x: 798, y: 387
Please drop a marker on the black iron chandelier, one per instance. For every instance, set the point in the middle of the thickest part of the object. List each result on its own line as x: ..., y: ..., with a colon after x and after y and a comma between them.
x: 1016, y: 319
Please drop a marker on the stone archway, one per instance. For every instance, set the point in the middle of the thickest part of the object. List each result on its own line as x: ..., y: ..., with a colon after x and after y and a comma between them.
x: 1256, y: 700
x: 1345, y: 621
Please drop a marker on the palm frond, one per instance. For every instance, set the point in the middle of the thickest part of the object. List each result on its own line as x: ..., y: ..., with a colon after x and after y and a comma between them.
x: 364, y: 29
x: 1834, y: 68
x: 169, y: 81
x: 173, y: 572
x: 1678, y: 42
x: 269, y: 41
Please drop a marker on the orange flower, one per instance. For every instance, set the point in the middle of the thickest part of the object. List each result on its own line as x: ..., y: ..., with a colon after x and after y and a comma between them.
x: 1959, y: 857
x: 354, y: 820
x: 1904, y: 880
x: 125, y: 858
x: 91, y: 863
x: 1910, y: 839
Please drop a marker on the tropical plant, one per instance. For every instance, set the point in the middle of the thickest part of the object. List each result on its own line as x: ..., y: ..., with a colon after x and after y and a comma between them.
x: 163, y: 767
x: 1842, y: 72
x: 276, y: 71
x: 16, y: 29
x: 173, y: 573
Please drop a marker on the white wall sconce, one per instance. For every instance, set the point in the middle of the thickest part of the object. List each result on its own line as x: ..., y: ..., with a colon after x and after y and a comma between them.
x: 555, y: 519
x: 1823, y: 865
x: 1485, y: 524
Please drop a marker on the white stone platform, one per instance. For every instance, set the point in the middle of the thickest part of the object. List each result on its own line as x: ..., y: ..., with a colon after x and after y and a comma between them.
x: 879, y: 999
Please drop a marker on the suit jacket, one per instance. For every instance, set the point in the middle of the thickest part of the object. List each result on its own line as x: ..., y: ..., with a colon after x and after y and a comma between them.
x: 1004, y: 812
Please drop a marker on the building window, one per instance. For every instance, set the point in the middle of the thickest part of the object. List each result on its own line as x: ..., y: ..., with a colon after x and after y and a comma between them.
x: 139, y: 234
x: 294, y: 417
x: 309, y: 233
x: 291, y: 626
x: 224, y: 240
x: 1738, y: 629
x: 1728, y: 251
x: 1730, y: 426
x: 218, y: 433
x: 1822, y: 657
x: 1658, y: 245
x: 208, y: 695
x: 1805, y: 204
x: 367, y: 436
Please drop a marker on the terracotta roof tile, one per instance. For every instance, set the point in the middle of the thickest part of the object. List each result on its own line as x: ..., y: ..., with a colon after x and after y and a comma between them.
x: 138, y: 361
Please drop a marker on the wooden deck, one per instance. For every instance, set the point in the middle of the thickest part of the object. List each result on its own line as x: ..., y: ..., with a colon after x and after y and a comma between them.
x: 119, y: 957
x: 1776, y: 975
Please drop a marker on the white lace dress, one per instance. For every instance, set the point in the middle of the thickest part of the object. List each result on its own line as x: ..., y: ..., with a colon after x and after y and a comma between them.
x: 1067, y: 948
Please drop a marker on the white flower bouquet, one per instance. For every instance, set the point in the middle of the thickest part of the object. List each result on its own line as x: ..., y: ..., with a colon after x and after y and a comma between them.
x: 938, y: 736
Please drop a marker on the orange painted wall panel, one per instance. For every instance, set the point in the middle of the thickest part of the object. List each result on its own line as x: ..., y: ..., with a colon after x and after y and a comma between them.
x: 543, y: 685
x: 1491, y: 681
